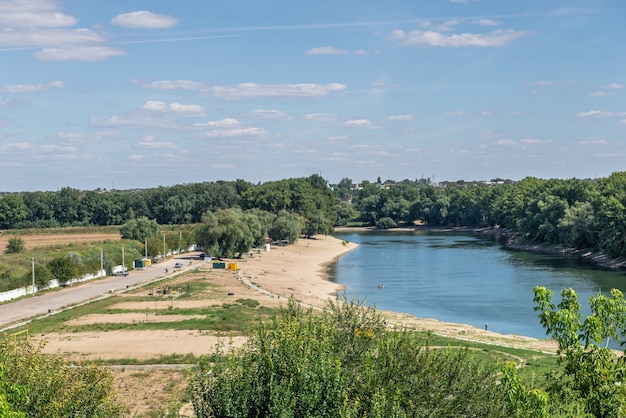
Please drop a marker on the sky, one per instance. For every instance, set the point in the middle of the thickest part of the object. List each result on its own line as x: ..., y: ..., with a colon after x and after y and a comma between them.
x: 136, y: 93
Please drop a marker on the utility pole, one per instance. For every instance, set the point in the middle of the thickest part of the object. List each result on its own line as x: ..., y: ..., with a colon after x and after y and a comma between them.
x: 123, y: 264
x: 164, y: 244
x: 101, y: 259
x: 145, y: 240
x: 33, y: 276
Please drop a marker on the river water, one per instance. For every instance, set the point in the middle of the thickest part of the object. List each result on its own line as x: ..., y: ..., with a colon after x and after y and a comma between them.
x: 462, y: 278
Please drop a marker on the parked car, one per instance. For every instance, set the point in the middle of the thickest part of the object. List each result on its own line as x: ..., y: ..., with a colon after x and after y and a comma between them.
x: 120, y: 273
x: 178, y: 265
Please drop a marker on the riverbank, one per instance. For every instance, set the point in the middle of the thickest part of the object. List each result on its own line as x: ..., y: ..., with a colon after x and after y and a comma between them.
x: 511, y: 241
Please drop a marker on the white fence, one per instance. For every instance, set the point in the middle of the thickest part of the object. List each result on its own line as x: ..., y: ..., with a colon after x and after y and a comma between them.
x: 23, y: 291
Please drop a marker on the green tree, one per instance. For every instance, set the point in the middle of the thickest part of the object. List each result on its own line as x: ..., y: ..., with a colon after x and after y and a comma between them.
x: 228, y: 233
x: 287, y: 226
x: 63, y: 269
x: 139, y: 229
x: 15, y: 245
x: 345, y: 213
x: 12, y: 210
x: 592, y: 374
x: 43, y: 276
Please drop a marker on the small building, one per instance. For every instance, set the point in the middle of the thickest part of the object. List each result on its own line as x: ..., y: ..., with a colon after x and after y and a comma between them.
x: 142, y: 263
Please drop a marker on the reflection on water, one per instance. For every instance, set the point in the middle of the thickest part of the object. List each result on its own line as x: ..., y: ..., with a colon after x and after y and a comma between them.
x: 462, y: 278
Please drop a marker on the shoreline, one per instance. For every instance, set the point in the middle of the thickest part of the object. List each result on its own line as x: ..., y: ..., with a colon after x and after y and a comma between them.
x: 592, y: 256
x: 307, y: 279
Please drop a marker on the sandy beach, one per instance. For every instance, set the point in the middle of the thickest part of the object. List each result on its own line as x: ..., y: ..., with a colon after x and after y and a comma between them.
x: 299, y: 270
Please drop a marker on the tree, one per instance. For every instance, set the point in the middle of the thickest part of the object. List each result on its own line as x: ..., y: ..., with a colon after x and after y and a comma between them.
x: 593, y: 375
x: 139, y: 229
x: 15, y: 245
x: 228, y: 233
x: 287, y: 226
x: 12, y: 211
x: 63, y: 269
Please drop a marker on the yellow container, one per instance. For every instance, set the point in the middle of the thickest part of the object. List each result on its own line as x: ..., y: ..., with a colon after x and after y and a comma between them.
x: 232, y: 266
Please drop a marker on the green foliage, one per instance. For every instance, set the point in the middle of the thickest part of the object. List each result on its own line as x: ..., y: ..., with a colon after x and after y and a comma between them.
x: 12, y: 210
x: 139, y: 229
x: 43, y: 276
x: 593, y: 375
x: 15, y: 245
x: 44, y: 386
x: 229, y: 232
x: 342, y: 363
x: 287, y: 226
x: 63, y: 268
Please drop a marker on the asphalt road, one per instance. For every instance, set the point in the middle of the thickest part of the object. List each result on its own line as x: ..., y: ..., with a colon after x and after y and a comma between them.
x: 12, y: 313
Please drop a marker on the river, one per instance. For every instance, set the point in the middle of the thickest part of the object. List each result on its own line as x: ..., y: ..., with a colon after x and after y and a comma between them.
x: 462, y: 278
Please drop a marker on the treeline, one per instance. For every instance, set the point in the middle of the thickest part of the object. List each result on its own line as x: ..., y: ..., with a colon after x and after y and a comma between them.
x: 575, y: 213
x: 180, y: 204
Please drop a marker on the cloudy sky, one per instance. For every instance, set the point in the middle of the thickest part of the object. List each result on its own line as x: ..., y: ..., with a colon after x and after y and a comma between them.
x: 138, y: 93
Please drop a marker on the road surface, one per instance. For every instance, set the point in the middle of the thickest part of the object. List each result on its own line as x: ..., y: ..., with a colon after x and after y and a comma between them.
x: 14, y: 313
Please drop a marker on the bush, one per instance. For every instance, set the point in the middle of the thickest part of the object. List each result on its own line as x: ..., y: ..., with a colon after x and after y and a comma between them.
x: 14, y: 246
x: 50, y: 388
x: 343, y: 363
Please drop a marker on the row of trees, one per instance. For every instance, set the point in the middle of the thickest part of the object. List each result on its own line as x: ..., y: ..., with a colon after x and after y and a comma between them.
x: 575, y: 213
x: 181, y: 204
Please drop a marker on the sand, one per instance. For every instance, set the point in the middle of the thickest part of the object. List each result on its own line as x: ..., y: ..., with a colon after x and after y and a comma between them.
x: 299, y: 270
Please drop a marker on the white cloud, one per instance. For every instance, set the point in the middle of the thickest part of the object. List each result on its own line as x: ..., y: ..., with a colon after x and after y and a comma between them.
x: 149, y: 142
x: 47, y: 37
x: 144, y: 19
x: 31, y: 88
x: 446, y: 26
x: 11, y: 103
x: 227, y: 133
x: 82, y: 137
x: 489, y: 22
x: 269, y: 114
x: 326, y: 50
x: 400, y: 118
x: 457, y: 113
x: 32, y: 13
x: 544, y: 83
x: 361, y: 123
x: 593, y: 141
x: 613, y: 86
x: 172, y: 85
x: 505, y: 142
x: 458, y: 1
x: 80, y: 53
x: 178, y: 108
x: 601, y: 94
x: 498, y: 37
x: 227, y: 122
x: 320, y: 117
x: 599, y: 114
x: 252, y: 90
x: 134, y: 120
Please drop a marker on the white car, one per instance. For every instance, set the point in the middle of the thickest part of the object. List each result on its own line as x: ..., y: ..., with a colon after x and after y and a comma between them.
x: 178, y: 265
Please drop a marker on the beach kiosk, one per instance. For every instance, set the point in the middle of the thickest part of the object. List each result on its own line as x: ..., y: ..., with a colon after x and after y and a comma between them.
x: 142, y: 263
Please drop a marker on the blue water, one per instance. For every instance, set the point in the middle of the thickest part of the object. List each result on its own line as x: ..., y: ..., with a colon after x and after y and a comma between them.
x: 462, y: 278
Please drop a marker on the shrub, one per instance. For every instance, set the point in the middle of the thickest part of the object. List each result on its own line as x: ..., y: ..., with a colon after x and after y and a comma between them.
x: 14, y: 246
x: 342, y: 363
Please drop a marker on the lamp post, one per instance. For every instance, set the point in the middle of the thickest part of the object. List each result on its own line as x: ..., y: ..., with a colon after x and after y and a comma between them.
x: 33, y: 276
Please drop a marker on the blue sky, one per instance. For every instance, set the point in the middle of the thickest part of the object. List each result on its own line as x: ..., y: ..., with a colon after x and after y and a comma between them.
x: 138, y: 93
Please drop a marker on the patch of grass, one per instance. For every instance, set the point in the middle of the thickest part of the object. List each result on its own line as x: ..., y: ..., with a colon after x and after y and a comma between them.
x: 188, y: 358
